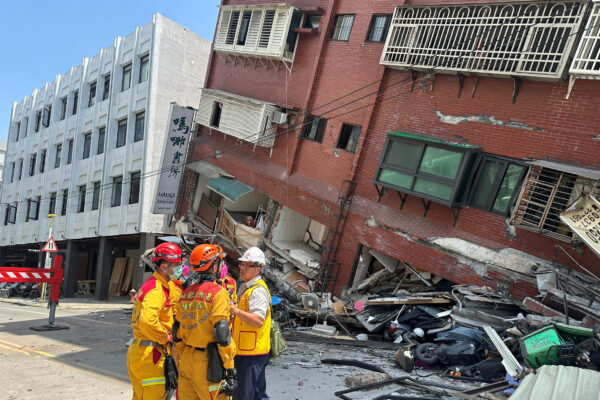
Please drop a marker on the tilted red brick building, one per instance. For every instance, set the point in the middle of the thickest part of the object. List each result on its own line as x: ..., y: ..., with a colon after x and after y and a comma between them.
x: 445, y: 136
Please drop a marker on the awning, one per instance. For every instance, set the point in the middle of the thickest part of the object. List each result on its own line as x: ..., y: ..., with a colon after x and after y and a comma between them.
x: 571, y: 169
x: 206, y: 169
x: 229, y: 188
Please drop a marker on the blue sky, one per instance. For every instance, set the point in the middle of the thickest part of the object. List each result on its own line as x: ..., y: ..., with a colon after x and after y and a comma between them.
x: 40, y: 39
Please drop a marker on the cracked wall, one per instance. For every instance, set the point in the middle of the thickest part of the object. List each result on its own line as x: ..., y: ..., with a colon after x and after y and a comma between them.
x: 484, y: 119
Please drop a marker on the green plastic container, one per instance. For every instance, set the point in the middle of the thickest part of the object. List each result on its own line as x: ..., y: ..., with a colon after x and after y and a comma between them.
x: 536, y: 347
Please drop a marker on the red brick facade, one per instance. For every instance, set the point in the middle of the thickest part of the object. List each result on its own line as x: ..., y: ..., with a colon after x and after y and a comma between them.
x: 306, y: 175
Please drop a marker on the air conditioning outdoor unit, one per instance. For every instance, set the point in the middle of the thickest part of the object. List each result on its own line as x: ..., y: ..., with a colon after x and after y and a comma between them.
x: 280, y: 118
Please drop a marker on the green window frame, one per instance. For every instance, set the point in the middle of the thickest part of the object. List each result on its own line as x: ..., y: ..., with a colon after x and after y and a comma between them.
x: 426, y: 167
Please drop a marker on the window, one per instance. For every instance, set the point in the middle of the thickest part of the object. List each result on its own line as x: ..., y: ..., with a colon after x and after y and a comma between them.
x: 121, y: 132
x: 87, y: 144
x: 267, y: 27
x: 426, y: 167
x: 348, y: 137
x: 549, y: 189
x: 43, y: 160
x: 116, y: 191
x: 33, y: 209
x: 38, y: 121
x: 522, y: 39
x: 342, y: 27
x: 243, y: 33
x: 46, y: 116
x: 32, y: 160
x: 106, y: 90
x: 126, y: 82
x: 233, y: 23
x: 379, y: 27
x: 144, y: 68
x: 12, y: 172
x: 139, y: 126
x: 101, y: 135
x: 75, y: 101
x: 63, y: 108
x: 495, y: 184
x: 12, y: 214
x: 134, y: 191
x: 57, y: 155
x: 81, y: 203
x: 92, y: 99
x: 70, y: 151
x: 314, y: 129
x: 52, y: 205
x: 18, y: 131
x: 20, y: 168
x: 215, y: 118
x: 6, y: 213
x: 96, y: 196
x: 25, y: 126
x: 65, y: 198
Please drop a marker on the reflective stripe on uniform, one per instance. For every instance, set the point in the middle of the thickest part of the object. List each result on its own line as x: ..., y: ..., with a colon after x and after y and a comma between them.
x: 153, y: 381
x: 214, y: 387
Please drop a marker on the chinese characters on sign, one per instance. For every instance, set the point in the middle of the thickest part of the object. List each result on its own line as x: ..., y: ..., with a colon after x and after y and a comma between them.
x: 178, y: 137
x: 584, y: 219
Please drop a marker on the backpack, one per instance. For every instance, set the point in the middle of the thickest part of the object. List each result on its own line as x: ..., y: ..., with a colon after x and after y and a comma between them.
x: 278, y: 343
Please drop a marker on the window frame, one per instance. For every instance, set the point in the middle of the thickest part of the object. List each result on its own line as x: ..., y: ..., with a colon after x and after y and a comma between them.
x: 144, y: 62
x: 101, y: 134
x: 64, y: 204
x: 81, y: 200
x: 126, y: 71
x: 75, y: 102
x: 106, y: 87
x: 32, y: 162
x: 58, y: 155
x: 337, y: 30
x: 12, y: 213
x: 63, y: 108
x: 70, y: 144
x: 42, y: 164
x: 386, y: 28
x: 138, y: 134
x: 96, y: 196
x: 477, y: 175
x: 92, y: 94
x: 87, y: 145
x: 18, y: 131
x: 458, y: 183
x: 121, y: 123
x: 135, y: 179
x: 350, y: 137
x: 52, y: 203
x: 320, y: 129
x: 47, y: 115
x: 38, y: 121
x: 20, y: 168
x: 117, y: 181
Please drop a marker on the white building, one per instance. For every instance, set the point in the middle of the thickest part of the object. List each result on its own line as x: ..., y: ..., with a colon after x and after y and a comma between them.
x: 2, y: 159
x: 84, y: 147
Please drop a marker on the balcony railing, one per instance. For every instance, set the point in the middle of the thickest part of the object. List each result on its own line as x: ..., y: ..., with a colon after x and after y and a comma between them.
x: 527, y: 39
x: 242, y: 117
x: 264, y: 32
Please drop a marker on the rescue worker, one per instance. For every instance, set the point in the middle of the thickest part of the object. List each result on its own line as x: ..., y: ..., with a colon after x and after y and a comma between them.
x: 227, y: 282
x: 252, y: 328
x: 151, y: 321
x: 203, y: 313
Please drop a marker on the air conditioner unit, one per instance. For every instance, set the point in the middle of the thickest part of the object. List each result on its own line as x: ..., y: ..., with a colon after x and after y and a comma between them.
x: 280, y: 118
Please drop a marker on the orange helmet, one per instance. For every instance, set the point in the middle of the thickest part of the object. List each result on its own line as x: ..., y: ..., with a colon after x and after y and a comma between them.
x: 204, y: 255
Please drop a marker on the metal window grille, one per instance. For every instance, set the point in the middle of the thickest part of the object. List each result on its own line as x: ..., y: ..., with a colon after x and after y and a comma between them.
x: 524, y: 39
x: 233, y: 23
x: 265, y: 33
x: 343, y: 27
x: 587, y: 57
x: 545, y: 194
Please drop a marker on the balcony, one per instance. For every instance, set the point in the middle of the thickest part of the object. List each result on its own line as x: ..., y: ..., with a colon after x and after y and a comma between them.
x: 586, y: 63
x: 241, y: 117
x: 263, y: 34
x: 524, y: 39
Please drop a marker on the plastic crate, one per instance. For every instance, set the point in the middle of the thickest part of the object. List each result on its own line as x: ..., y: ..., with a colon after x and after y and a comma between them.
x: 537, y: 347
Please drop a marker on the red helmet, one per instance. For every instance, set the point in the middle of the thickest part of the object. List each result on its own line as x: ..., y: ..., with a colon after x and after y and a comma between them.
x: 203, y: 256
x: 169, y: 252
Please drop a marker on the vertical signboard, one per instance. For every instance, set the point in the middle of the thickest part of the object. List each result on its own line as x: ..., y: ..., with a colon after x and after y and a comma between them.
x: 584, y: 219
x: 173, y: 161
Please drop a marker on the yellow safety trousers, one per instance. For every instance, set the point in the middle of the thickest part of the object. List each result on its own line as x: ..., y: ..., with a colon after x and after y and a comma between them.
x: 192, y: 383
x: 147, y: 377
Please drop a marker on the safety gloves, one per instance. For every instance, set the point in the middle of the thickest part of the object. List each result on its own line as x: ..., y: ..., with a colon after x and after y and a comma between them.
x: 230, y: 385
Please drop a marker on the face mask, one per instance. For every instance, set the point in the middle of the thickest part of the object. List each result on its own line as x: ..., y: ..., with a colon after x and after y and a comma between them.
x: 223, y: 273
x: 176, y: 272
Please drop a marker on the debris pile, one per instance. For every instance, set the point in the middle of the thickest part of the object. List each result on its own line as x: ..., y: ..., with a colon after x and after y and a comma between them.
x: 477, y: 336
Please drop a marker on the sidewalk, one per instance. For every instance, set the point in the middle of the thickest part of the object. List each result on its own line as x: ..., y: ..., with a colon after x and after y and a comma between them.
x: 78, y: 302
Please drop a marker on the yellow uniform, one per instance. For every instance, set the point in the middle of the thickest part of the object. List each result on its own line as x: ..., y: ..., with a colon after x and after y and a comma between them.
x: 200, y: 307
x: 229, y: 284
x: 151, y: 320
x: 250, y: 340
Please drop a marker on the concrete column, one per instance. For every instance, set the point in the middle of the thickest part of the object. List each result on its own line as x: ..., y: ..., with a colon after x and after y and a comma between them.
x: 2, y: 256
x: 146, y: 242
x: 70, y: 271
x: 103, y: 268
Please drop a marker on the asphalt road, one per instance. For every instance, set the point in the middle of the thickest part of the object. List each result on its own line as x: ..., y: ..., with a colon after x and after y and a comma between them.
x: 87, y: 361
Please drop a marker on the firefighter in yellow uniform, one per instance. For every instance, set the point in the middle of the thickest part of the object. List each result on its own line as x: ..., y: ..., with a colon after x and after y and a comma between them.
x: 151, y: 320
x: 203, y: 314
x: 252, y: 328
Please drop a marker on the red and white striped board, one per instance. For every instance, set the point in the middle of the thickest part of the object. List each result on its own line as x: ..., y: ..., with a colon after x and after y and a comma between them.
x: 33, y: 275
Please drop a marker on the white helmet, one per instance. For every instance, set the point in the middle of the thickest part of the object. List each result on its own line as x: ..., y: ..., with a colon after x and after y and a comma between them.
x: 255, y: 255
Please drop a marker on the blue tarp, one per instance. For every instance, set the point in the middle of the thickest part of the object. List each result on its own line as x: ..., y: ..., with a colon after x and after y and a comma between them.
x: 229, y: 188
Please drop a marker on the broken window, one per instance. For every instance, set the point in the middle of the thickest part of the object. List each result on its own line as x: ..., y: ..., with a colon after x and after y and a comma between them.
x: 426, y: 167
x: 547, y: 192
x: 46, y: 116
x: 314, y: 129
x: 348, y: 137
x: 33, y: 209
x: 495, y: 184
x: 342, y: 27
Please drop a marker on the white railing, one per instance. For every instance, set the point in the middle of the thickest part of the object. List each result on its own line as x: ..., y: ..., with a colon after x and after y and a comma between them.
x: 518, y: 39
x: 586, y: 63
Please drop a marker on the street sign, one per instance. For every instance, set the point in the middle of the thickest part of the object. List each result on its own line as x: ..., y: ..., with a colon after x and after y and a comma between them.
x: 50, y: 246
